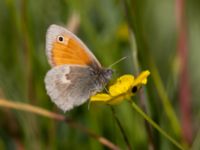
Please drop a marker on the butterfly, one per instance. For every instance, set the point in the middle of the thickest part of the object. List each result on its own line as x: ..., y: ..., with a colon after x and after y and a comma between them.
x: 76, y: 74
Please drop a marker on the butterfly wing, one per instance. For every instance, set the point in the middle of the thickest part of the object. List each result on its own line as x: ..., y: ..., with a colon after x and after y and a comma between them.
x: 71, y: 85
x: 63, y: 47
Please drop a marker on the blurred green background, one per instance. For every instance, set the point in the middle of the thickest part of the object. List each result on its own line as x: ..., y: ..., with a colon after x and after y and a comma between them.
x: 103, y: 26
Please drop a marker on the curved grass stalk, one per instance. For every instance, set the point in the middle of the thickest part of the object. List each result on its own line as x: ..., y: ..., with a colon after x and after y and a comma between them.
x: 58, y: 117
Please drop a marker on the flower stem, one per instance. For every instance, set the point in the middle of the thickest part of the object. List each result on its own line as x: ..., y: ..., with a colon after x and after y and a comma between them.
x: 156, y: 126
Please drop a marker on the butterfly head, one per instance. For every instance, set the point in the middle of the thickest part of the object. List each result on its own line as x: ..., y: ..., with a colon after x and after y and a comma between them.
x: 107, y: 74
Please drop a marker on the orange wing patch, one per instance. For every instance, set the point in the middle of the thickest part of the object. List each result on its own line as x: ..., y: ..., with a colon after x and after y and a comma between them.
x: 71, y: 52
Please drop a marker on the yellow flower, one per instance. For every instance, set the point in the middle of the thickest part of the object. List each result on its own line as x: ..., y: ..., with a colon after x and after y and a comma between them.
x: 123, y: 88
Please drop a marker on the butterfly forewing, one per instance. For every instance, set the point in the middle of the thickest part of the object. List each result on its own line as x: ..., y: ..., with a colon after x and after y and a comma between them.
x: 63, y: 47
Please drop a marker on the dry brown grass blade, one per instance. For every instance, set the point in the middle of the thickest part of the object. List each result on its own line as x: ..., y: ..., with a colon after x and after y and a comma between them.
x: 58, y: 117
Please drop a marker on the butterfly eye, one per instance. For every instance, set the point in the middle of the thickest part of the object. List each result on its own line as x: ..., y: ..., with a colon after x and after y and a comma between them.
x: 60, y: 39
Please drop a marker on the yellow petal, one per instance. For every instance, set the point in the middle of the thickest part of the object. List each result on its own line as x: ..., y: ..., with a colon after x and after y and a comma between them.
x: 142, y: 78
x: 100, y: 97
x: 122, y: 85
x: 118, y: 99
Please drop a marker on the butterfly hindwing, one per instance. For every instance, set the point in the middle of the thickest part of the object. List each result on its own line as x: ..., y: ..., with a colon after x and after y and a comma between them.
x: 70, y: 85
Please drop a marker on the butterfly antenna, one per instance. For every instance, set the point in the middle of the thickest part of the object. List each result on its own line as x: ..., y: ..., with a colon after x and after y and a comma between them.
x: 117, y: 61
x: 106, y: 89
